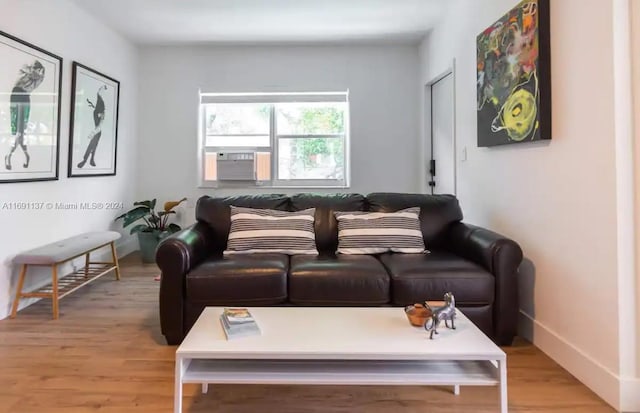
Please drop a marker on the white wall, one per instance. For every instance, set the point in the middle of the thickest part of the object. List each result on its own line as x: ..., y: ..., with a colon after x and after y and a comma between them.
x: 628, y: 375
x: 635, y: 53
x: 384, y: 112
x: 63, y: 29
x: 557, y: 198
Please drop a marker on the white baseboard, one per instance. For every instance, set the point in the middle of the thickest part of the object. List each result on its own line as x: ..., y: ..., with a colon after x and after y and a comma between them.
x: 592, y: 373
x: 525, y: 326
x: 126, y: 247
x: 630, y: 395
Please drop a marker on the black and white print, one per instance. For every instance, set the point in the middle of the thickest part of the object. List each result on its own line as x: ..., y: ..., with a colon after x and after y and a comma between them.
x: 94, y: 123
x: 378, y: 232
x: 270, y: 231
x: 30, y: 80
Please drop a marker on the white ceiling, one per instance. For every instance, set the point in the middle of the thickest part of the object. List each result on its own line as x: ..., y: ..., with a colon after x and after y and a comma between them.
x: 267, y: 21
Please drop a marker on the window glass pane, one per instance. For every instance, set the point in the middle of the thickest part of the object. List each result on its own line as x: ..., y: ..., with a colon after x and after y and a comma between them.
x: 311, y: 158
x: 309, y: 118
x: 241, y: 124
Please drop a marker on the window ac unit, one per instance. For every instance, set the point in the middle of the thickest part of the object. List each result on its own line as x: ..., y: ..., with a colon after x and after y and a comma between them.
x: 236, y: 166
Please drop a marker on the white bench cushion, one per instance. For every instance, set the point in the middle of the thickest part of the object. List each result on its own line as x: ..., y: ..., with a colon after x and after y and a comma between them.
x: 67, y: 248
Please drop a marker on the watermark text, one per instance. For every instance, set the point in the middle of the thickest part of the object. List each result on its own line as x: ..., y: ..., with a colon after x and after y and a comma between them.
x: 59, y: 206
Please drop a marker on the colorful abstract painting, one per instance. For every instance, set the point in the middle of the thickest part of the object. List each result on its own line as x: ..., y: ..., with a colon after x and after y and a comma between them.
x: 514, y: 81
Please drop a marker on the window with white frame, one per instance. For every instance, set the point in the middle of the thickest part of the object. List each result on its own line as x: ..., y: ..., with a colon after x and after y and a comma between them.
x: 294, y: 139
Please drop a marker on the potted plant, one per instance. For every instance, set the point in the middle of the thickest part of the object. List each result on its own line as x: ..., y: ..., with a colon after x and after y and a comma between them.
x: 156, y: 225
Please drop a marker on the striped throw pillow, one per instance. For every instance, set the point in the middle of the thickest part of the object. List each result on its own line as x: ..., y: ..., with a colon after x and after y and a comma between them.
x: 378, y: 232
x: 265, y: 230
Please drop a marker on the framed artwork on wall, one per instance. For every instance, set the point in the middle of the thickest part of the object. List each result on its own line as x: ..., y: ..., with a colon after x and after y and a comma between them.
x: 514, y: 77
x: 93, y: 134
x: 30, y: 79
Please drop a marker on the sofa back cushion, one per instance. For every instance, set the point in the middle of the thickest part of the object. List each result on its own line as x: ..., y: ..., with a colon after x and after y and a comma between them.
x: 436, y: 214
x: 216, y: 212
x: 326, y: 226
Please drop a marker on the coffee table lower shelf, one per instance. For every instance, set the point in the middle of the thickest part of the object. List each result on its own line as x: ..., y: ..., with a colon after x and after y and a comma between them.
x: 340, y: 372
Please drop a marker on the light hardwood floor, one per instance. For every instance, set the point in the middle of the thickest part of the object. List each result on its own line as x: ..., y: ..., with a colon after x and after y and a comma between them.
x: 106, y: 354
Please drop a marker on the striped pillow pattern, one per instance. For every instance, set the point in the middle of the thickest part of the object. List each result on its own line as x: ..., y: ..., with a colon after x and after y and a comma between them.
x: 270, y: 231
x: 378, y: 232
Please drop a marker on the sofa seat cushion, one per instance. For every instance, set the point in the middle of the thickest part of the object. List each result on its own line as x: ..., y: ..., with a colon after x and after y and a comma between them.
x: 343, y: 280
x: 415, y: 278
x: 252, y: 279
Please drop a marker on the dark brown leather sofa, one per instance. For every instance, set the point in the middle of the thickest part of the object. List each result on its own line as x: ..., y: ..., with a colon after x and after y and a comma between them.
x: 477, y: 265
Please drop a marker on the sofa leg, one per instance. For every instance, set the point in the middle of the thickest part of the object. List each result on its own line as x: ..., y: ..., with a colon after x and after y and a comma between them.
x: 173, y: 339
x: 505, y: 340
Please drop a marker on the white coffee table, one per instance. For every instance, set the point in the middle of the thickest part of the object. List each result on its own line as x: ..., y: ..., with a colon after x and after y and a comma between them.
x: 319, y: 345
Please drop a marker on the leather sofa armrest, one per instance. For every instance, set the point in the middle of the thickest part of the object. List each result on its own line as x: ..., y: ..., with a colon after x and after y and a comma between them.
x: 176, y: 256
x: 500, y: 256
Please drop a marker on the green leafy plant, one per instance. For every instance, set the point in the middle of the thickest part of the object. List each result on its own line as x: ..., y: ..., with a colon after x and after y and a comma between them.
x: 154, y: 222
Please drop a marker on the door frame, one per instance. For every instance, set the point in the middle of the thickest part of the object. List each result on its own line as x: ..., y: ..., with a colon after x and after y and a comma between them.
x: 428, y: 130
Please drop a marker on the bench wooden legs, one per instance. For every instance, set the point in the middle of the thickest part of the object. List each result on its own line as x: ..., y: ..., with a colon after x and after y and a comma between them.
x: 54, y: 290
x: 23, y: 273
x: 87, y: 261
x: 114, y: 256
x: 53, y: 295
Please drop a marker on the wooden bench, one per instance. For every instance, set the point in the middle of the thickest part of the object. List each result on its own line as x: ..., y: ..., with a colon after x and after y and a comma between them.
x: 54, y: 254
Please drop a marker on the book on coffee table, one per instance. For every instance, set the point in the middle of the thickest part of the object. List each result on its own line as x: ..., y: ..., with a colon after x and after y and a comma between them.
x: 237, y: 315
x: 238, y: 322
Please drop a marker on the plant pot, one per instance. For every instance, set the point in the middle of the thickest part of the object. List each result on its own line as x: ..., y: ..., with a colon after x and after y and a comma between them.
x: 148, y: 244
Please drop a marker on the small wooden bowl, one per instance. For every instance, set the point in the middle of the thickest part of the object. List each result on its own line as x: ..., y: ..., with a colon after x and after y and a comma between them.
x: 417, y: 314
